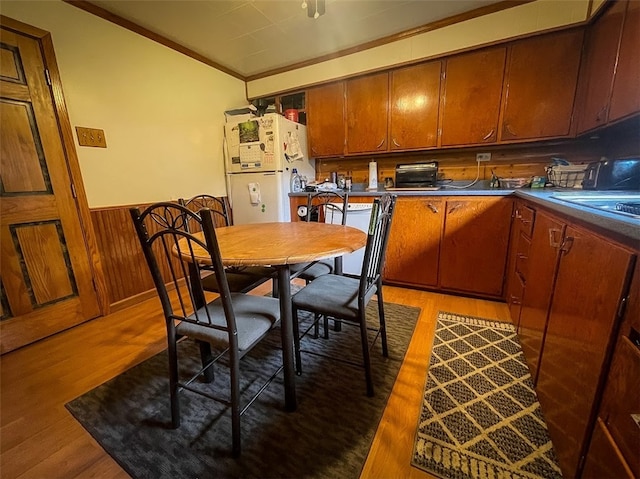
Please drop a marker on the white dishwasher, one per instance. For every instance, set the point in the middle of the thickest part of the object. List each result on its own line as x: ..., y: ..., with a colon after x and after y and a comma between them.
x: 358, y: 216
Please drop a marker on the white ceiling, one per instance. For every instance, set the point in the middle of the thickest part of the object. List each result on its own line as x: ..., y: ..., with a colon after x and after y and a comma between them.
x: 250, y: 37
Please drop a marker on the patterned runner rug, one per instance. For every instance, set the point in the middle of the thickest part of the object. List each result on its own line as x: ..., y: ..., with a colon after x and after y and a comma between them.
x: 480, y: 416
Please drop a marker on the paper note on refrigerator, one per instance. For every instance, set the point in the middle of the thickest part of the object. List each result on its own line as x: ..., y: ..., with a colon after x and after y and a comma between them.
x: 254, y: 193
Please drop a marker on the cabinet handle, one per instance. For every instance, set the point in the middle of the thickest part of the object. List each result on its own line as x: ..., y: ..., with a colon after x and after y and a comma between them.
x: 453, y: 208
x: 507, y: 128
x: 432, y: 207
x: 552, y: 237
x: 566, y: 245
x: 381, y: 143
x: 515, y: 300
x: 489, y: 135
x: 394, y: 142
x: 517, y: 214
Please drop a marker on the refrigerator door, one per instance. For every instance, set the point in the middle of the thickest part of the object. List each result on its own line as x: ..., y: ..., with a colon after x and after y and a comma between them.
x: 259, y: 198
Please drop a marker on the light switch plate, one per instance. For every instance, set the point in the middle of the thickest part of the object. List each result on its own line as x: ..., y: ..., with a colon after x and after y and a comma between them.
x: 91, y: 137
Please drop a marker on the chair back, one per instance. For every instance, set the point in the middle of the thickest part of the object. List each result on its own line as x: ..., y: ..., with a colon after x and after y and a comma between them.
x: 327, y: 205
x: 174, y: 257
x: 219, y: 206
x: 377, y: 239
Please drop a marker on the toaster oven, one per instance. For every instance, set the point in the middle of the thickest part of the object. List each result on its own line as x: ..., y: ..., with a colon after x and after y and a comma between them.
x: 416, y: 175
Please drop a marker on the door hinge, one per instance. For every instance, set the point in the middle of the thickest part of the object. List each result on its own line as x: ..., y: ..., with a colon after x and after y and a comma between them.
x: 73, y: 191
x: 47, y: 76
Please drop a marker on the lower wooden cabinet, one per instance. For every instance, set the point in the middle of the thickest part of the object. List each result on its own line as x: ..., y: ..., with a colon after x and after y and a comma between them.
x: 475, y: 244
x: 605, y: 460
x: 413, y: 251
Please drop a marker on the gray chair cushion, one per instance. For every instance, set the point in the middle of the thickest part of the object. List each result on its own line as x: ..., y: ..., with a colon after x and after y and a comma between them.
x: 255, y: 315
x: 317, y: 269
x: 238, y: 282
x: 333, y: 295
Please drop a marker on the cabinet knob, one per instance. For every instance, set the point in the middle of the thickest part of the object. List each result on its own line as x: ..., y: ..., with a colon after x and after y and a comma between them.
x: 566, y: 245
x: 555, y: 243
x: 432, y: 207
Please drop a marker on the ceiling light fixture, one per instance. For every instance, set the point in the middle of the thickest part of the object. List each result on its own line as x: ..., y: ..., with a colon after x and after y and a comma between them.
x: 315, y: 8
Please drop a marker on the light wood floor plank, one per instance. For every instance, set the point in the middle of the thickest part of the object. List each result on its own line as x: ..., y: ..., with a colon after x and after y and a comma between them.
x: 39, y: 438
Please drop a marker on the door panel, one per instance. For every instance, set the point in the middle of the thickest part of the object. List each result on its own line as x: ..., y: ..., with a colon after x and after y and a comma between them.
x: 46, y: 274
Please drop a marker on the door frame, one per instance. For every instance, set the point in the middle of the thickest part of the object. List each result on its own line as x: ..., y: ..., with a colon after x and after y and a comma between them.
x: 71, y: 156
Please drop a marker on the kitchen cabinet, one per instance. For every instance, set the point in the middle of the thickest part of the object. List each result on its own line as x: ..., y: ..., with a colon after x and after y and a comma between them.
x: 475, y: 242
x: 523, y: 221
x: 540, y: 86
x: 325, y: 120
x: 413, y: 250
x: 600, y: 63
x: 470, y: 103
x: 413, y: 106
x: 590, y: 283
x: 613, y: 451
x: 367, y: 112
x: 625, y: 98
x: 543, y: 259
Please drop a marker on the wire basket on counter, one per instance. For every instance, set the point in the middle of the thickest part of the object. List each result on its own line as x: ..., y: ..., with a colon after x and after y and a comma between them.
x: 566, y: 176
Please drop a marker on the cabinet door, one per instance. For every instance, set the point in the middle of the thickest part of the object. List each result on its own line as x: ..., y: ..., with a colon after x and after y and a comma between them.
x: 414, y: 242
x: 471, y: 99
x: 367, y: 113
x: 543, y: 259
x: 414, y: 101
x: 625, y: 99
x: 604, y: 459
x: 591, y: 280
x: 325, y: 120
x: 541, y: 86
x: 602, y: 48
x: 474, y: 246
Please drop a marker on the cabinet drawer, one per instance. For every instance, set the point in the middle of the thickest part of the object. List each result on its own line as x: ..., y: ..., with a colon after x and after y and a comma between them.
x: 604, y: 459
x: 522, y: 256
x: 622, y: 399
x: 526, y: 218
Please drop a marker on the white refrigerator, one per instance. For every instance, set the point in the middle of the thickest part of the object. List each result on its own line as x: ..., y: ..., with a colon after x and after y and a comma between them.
x: 260, y: 155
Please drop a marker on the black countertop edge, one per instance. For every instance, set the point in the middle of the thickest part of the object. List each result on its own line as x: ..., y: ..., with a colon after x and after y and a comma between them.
x: 626, y: 227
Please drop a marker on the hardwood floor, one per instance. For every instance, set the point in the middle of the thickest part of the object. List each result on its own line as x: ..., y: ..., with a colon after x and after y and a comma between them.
x: 40, y: 439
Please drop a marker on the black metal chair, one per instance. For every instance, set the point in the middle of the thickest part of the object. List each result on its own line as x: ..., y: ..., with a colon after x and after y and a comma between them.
x: 346, y: 298
x: 232, y: 324
x: 241, y: 279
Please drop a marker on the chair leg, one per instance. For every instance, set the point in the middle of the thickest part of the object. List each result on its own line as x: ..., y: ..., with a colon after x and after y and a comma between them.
x: 326, y: 327
x: 337, y: 325
x: 205, y: 357
x: 173, y: 383
x: 383, y: 323
x: 316, y: 325
x: 365, y: 354
x: 234, y: 370
x: 274, y: 288
x: 296, y: 341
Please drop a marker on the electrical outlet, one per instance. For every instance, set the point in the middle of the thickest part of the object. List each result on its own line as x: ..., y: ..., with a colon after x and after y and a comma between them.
x: 483, y: 156
x: 91, y: 137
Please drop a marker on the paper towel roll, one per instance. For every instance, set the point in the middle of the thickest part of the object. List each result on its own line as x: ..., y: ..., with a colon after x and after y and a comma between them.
x: 373, y: 175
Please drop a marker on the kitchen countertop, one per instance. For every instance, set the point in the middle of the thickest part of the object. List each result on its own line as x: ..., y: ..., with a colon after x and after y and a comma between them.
x: 620, y: 225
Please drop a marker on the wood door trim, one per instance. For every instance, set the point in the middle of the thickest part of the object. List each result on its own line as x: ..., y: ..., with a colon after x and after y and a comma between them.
x: 68, y: 144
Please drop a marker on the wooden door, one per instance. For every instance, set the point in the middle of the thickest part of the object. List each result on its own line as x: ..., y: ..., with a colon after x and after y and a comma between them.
x: 540, y: 86
x: 600, y: 62
x: 590, y: 284
x: 325, y: 120
x: 471, y: 101
x: 367, y: 113
x: 543, y: 260
x: 414, y: 100
x: 625, y: 99
x: 46, y: 272
x: 475, y: 243
x: 414, y: 242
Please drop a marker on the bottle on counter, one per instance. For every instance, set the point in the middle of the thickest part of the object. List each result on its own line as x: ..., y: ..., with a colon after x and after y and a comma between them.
x: 296, y: 183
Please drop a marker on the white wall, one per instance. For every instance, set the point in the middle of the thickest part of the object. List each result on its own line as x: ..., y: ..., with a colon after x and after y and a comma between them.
x: 162, y: 112
x: 523, y: 19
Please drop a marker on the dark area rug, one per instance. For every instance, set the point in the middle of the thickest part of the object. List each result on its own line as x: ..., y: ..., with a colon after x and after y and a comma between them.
x: 328, y: 436
x: 480, y: 415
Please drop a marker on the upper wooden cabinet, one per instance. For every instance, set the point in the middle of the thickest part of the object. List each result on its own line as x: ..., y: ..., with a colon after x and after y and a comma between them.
x: 600, y: 64
x: 471, y: 100
x: 625, y: 99
x: 367, y: 113
x: 325, y: 120
x: 414, y: 102
x: 540, y: 86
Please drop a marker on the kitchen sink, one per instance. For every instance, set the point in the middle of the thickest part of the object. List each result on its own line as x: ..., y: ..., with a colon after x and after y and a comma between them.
x: 626, y: 204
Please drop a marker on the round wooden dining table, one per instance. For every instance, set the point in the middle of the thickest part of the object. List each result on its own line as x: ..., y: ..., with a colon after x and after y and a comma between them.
x: 281, y: 245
